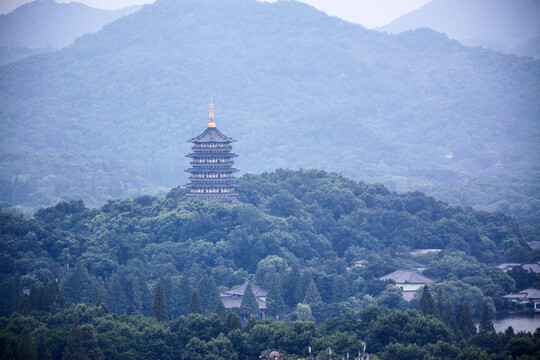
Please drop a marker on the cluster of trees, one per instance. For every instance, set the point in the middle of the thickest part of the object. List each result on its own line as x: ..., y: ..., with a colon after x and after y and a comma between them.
x: 141, y: 278
x: 388, y: 335
x: 304, y: 230
x: 414, y: 111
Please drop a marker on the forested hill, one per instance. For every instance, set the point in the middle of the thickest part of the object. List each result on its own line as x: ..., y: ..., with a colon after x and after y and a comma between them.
x: 108, y: 116
x: 310, y: 220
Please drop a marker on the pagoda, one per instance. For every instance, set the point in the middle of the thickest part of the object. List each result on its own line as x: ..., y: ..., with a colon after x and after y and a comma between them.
x: 212, y: 172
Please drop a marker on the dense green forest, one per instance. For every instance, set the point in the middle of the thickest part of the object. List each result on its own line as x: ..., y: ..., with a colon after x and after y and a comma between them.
x: 108, y: 117
x: 297, y: 234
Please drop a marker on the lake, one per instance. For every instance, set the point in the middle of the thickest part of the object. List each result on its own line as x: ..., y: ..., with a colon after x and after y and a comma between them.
x: 518, y: 322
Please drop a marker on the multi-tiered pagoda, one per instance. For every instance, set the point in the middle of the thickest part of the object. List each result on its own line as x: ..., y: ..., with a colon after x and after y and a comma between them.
x: 212, y: 172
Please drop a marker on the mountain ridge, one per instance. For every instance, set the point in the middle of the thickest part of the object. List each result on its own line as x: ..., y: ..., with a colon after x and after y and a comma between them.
x: 500, y: 25
x: 45, y: 24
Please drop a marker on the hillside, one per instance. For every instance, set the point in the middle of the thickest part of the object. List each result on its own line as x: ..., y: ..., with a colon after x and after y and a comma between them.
x: 308, y: 219
x: 109, y: 116
x: 47, y: 24
x: 502, y: 25
x: 297, y: 234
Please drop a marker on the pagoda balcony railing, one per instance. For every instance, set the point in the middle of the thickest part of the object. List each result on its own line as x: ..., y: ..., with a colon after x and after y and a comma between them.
x: 202, y: 163
x: 205, y: 148
x: 212, y: 146
x: 203, y: 179
x: 208, y: 169
x: 211, y: 155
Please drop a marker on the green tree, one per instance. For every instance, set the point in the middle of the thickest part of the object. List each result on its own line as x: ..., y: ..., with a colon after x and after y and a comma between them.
x: 303, y: 312
x: 220, y: 310
x: 184, y: 295
x: 82, y: 344
x: 159, y: 305
x: 312, y: 294
x: 26, y: 350
x: 274, y: 300
x: 427, y: 305
x: 340, y: 289
x: 43, y: 352
x: 465, y: 321
x: 232, y: 322
x: 250, y: 324
x: 486, y: 325
x: 116, y: 299
x: 249, y: 305
x: 208, y: 294
x: 391, y: 298
x: 195, y: 304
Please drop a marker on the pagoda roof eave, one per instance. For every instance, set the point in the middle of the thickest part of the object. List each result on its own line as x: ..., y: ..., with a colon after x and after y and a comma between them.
x: 212, y: 134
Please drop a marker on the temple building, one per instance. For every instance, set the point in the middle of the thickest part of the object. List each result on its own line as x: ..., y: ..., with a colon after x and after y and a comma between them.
x: 212, y: 172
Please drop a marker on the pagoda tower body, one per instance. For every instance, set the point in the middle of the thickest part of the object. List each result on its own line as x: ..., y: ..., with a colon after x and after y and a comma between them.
x: 212, y: 172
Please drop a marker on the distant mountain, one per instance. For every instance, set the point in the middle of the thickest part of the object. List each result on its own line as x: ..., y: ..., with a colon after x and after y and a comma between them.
x: 495, y: 24
x: 532, y: 48
x: 9, y: 54
x: 109, y: 116
x: 48, y: 24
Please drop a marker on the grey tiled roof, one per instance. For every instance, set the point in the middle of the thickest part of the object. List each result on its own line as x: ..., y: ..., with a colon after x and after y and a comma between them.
x: 407, y: 277
x: 212, y: 134
x: 527, y: 294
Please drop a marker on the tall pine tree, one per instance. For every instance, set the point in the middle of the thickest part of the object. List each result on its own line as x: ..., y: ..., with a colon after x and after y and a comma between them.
x: 195, y: 304
x: 427, y: 305
x: 159, y: 305
x: 221, y: 311
x: 486, y: 325
x: 249, y: 305
x: 208, y: 293
x: 312, y: 294
x: 184, y: 295
x: 465, y: 321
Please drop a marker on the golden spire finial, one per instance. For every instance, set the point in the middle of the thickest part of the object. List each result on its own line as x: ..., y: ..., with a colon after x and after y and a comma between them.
x: 211, y: 123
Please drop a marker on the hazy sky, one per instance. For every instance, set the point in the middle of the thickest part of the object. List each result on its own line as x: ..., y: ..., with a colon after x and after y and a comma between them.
x: 370, y: 13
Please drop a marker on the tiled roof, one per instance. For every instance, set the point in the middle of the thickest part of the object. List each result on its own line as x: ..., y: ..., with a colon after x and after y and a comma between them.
x: 241, y: 289
x: 413, y: 263
x: 407, y: 277
x: 211, y: 134
x: 527, y: 294
x: 535, y: 268
x: 234, y: 301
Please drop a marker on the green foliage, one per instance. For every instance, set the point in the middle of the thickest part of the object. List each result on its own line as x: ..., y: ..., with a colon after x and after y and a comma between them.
x: 312, y: 296
x: 159, y: 306
x: 208, y: 294
x: 82, y: 344
x: 486, y: 325
x: 195, y: 304
x: 465, y: 321
x: 220, y: 310
x: 427, y: 305
x: 249, y: 305
x: 303, y: 312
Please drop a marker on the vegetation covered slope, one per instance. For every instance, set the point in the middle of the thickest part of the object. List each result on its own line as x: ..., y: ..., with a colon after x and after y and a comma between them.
x: 109, y: 116
x: 294, y: 233
x: 291, y: 229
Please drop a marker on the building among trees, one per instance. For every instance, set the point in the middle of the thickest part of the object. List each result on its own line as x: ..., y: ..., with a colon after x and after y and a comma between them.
x: 233, y: 298
x: 408, y: 281
x: 212, y: 172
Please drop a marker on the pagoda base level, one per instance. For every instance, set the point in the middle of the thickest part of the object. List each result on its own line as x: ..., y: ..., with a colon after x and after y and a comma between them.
x: 222, y: 197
